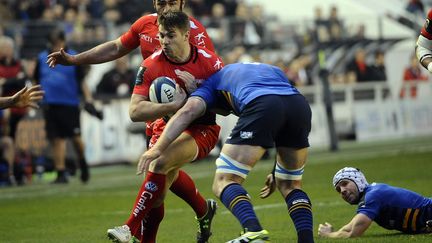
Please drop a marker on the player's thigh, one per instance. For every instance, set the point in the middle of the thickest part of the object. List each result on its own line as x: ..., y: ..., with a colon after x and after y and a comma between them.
x: 244, y: 154
x: 183, y: 150
x: 297, y: 116
x: 259, y: 122
x: 291, y: 158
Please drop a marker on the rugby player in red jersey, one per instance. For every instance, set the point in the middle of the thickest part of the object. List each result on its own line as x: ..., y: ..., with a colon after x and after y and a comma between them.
x: 177, y: 59
x: 144, y: 33
x: 424, y: 44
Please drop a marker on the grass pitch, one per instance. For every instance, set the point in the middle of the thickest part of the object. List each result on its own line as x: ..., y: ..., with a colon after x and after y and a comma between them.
x: 41, y: 212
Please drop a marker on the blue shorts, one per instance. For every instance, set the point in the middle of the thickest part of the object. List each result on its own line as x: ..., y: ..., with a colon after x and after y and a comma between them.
x: 274, y: 120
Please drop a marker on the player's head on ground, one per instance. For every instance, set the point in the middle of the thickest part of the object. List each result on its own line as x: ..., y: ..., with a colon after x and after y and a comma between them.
x: 174, y: 34
x: 350, y: 183
x: 163, y: 6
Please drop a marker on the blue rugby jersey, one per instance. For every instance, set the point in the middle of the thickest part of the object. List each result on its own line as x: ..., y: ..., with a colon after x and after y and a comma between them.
x: 235, y: 85
x: 60, y: 84
x: 396, y: 208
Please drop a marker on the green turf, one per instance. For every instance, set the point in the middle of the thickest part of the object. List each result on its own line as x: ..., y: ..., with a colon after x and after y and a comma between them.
x: 82, y: 213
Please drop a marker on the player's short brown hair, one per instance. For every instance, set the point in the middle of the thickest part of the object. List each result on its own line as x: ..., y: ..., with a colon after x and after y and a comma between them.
x: 174, y: 19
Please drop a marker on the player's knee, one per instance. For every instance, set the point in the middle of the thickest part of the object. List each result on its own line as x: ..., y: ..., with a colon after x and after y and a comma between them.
x: 227, y: 165
x: 288, y: 179
x: 160, y: 165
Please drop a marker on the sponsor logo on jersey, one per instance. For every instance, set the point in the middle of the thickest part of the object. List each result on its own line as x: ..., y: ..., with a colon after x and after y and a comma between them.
x: 146, y: 38
x: 246, y: 135
x: 218, y: 64
x: 140, y: 75
x: 192, y: 25
x: 204, y: 53
x: 199, y: 39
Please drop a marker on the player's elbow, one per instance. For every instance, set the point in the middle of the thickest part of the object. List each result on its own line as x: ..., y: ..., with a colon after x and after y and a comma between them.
x: 133, y: 113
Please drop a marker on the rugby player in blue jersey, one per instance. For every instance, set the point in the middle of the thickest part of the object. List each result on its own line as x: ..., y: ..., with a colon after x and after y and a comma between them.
x: 390, y: 207
x: 271, y: 113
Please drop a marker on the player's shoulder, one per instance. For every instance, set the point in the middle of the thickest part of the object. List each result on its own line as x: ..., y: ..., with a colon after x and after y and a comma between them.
x: 209, y: 57
x: 146, y: 19
x: 378, y: 190
x: 195, y: 24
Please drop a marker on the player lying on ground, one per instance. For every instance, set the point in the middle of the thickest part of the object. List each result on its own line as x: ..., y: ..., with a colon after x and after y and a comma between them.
x: 390, y: 207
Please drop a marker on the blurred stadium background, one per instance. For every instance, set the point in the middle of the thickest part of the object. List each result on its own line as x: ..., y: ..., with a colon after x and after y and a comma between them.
x: 381, y: 123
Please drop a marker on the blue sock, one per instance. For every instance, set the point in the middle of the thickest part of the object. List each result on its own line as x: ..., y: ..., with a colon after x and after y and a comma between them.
x: 236, y: 199
x: 300, y: 211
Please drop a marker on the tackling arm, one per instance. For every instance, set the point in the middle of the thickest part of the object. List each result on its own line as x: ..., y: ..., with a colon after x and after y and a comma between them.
x: 355, y: 228
x: 194, y: 108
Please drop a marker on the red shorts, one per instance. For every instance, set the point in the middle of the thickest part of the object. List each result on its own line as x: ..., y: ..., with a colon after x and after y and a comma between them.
x: 206, y: 136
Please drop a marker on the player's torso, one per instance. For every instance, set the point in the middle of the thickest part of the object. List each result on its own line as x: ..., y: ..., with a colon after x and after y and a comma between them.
x: 202, y: 64
x: 402, y: 209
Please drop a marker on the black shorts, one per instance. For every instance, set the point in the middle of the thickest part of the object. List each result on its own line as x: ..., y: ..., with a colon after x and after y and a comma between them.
x: 274, y: 120
x: 62, y: 121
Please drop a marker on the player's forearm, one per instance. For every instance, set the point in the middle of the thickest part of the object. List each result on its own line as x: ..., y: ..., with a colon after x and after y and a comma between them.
x: 177, y: 124
x: 102, y: 53
x: 149, y: 111
x: 338, y: 234
x: 6, y: 102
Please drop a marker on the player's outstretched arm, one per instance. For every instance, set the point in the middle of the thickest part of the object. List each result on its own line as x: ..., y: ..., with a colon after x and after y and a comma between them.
x: 104, y: 52
x: 194, y: 108
x: 26, y: 97
x: 358, y: 225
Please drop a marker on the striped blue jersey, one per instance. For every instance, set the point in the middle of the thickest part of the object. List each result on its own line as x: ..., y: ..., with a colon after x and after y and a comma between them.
x: 235, y: 85
x: 396, y: 208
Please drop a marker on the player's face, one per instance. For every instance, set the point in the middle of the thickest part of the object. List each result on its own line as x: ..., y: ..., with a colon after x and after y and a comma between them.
x: 163, y: 6
x: 348, y: 191
x: 173, y: 42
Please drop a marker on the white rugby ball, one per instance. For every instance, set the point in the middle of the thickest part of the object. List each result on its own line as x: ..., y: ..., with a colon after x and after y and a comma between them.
x: 162, y: 90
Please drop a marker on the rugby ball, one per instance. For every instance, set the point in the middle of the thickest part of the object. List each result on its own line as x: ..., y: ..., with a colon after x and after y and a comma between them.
x: 162, y: 90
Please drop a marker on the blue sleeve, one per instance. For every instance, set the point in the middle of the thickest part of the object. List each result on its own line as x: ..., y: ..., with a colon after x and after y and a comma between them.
x: 207, y: 92
x: 371, y: 205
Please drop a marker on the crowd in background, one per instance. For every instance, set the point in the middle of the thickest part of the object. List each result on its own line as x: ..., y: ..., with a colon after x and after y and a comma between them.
x: 240, y: 32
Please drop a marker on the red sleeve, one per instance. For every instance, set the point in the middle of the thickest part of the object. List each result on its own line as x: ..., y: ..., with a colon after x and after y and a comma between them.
x: 143, y: 79
x: 426, y: 31
x: 199, y: 36
x: 131, y: 39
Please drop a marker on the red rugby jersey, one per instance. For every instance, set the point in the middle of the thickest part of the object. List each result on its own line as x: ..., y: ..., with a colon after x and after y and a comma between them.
x: 144, y: 33
x: 201, y: 64
x: 426, y: 31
